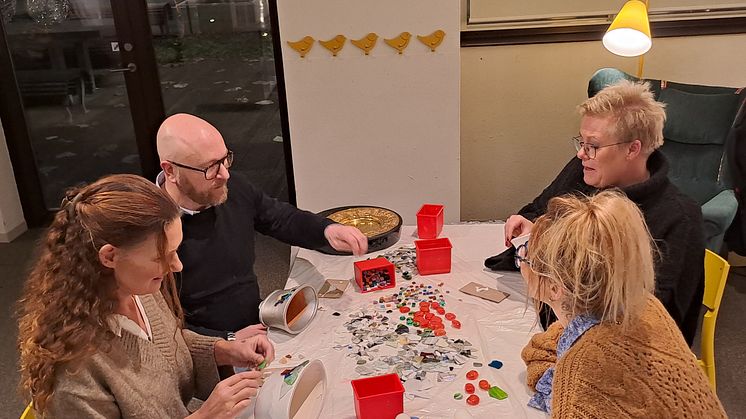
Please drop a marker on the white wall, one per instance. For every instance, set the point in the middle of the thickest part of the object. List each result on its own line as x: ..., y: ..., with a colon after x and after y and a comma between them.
x: 380, y: 129
x: 12, y: 223
x: 518, y: 108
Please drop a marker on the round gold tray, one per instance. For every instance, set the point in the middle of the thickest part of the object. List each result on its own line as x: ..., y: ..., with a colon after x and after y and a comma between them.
x: 372, y: 221
x: 380, y: 225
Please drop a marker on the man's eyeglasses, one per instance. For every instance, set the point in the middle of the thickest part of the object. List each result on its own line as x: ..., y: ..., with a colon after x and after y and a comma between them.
x: 520, y: 255
x: 212, y: 170
x: 590, y: 149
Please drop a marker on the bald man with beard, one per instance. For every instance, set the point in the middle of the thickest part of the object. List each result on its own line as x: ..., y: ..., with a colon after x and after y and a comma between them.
x: 221, y: 212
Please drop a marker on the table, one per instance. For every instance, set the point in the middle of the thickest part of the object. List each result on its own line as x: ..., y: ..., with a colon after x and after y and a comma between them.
x: 499, y: 331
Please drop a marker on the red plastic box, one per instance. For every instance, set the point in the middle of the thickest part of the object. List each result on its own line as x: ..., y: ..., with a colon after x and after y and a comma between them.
x: 433, y: 256
x: 380, y: 397
x: 370, y: 266
x: 429, y: 221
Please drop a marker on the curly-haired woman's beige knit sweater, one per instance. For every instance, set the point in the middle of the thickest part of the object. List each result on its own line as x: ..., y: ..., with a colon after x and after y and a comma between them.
x: 647, y: 371
x: 137, y: 378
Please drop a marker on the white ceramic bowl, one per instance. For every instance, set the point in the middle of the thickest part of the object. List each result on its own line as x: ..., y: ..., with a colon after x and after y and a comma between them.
x: 303, y: 399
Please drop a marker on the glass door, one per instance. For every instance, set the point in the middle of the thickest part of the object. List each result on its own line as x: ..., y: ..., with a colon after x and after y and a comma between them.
x: 95, y: 78
x: 77, y: 85
x: 215, y: 61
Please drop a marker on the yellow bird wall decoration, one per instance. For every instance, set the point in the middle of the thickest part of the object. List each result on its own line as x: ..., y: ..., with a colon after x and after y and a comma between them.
x: 433, y: 40
x: 400, y: 42
x: 366, y: 43
x: 303, y: 46
x: 335, y: 44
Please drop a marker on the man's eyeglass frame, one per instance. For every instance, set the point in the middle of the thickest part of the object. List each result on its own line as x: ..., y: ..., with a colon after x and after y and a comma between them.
x: 226, y: 161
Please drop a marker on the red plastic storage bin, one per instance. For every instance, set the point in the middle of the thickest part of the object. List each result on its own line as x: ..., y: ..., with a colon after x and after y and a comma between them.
x: 429, y: 221
x: 433, y: 256
x: 380, y: 397
x: 375, y: 274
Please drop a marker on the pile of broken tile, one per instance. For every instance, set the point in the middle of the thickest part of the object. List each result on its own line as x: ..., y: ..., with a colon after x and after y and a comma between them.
x: 383, y: 339
x: 405, y: 261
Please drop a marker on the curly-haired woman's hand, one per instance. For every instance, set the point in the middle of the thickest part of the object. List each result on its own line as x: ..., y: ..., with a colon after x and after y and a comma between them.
x: 231, y: 396
x: 246, y: 353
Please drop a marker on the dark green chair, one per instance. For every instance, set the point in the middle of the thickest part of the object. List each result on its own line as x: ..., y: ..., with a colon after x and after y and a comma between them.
x: 699, y: 130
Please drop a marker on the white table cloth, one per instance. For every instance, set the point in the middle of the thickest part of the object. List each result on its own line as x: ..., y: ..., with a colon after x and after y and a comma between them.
x: 498, y: 331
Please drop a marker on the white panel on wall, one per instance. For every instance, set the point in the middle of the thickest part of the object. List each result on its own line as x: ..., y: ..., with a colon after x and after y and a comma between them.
x: 12, y: 223
x: 381, y: 129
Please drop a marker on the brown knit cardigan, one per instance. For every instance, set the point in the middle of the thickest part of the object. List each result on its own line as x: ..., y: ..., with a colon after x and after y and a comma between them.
x: 647, y: 371
x: 139, y: 378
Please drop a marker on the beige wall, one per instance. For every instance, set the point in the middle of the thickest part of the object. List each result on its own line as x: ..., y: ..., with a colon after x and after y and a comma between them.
x: 518, y: 108
x: 12, y: 223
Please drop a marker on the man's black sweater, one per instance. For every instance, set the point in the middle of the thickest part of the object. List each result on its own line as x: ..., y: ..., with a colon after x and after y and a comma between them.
x: 675, y: 223
x: 217, y: 286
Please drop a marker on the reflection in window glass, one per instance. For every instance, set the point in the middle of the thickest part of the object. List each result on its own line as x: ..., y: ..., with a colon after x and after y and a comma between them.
x: 215, y: 61
x: 77, y: 111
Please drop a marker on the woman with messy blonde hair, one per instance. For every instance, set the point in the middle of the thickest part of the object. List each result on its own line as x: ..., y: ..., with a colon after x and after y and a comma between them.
x: 614, y: 351
x: 96, y: 335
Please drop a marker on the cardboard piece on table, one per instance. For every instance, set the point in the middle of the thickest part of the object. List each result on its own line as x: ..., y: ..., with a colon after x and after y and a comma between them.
x: 333, y: 288
x: 482, y: 291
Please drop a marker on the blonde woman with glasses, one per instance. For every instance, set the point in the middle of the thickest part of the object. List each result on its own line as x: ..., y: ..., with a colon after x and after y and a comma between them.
x: 621, y: 130
x: 614, y: 351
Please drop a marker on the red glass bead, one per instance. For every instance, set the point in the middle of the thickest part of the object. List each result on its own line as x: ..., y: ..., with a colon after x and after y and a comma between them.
x: 472, y: 375
x: 450, y: 316
x: 484, y: 384
x: 429, y: 315
x: 424, y: 309
x: 473, y: 400
x: 456, y: 324
x: 440, y: 332
x: 441, y: 310
x: 424, y: 304
x: 434, y: 305
x: 404, y: 309
x: 469, y: 388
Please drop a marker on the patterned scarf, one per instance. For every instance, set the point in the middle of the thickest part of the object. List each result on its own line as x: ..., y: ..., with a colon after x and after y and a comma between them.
x: 542, y: 400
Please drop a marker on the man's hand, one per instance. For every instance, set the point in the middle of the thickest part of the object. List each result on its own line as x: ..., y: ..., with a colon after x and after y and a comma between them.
x: 346, y: 239
x: 517, y: 225
x: 247, y: 353
x: 252, y: 330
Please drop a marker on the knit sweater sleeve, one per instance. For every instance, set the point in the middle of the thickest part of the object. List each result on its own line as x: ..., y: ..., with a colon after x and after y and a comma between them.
x: 570, y: 179
x: 578, y: 382
x: 202, y: 349
x: 541, y: 353
x: 80, y: 395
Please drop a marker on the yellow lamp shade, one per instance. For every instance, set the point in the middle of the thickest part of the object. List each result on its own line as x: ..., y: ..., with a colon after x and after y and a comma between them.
x: 629, y: 33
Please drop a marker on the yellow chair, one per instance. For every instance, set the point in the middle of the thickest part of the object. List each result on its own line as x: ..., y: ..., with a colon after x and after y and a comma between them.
x: 716, y: 274
x: 29, y: 412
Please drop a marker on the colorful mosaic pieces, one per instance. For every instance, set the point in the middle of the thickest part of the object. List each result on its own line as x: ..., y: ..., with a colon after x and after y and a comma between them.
x: 405, y: 332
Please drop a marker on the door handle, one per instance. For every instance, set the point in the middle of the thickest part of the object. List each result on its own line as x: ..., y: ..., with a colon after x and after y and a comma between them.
x: 131, y: 67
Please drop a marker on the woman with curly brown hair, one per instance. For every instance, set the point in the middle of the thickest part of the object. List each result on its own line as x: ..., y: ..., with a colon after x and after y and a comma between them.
x: 96, y: 335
